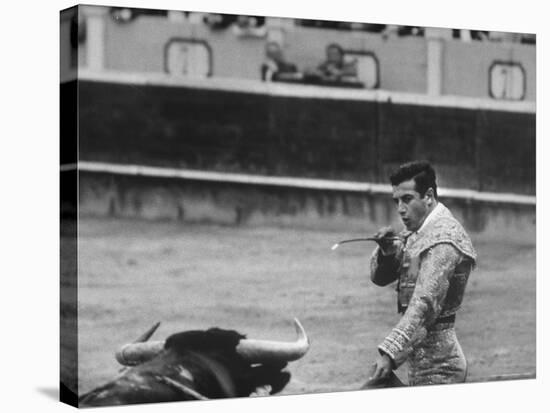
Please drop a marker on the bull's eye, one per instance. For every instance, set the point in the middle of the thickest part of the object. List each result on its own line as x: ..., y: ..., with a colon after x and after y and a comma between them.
x: 186, y: 374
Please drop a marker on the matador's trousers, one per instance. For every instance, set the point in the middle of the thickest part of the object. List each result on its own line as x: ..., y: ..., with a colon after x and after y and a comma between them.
x: 438, y: 358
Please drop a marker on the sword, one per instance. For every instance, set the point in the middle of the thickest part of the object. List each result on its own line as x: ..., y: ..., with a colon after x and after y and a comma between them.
x: 375, y: 239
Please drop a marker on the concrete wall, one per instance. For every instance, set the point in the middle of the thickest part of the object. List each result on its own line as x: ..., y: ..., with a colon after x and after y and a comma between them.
x: 141, y: 197
x: 139, y: 46
x: 466, y: 66
x: 279, y: 134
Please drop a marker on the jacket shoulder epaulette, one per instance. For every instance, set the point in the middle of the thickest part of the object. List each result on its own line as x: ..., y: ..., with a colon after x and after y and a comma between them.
x: 444, y: 229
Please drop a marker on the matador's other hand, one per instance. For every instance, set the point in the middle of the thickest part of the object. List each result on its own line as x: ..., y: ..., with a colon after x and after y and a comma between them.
x: 381, y: 368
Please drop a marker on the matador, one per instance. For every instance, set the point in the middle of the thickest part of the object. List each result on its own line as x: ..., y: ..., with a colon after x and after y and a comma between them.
x: 430, y: 261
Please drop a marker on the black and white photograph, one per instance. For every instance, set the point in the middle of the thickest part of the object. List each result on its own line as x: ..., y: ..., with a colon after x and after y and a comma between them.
x: 256, y: 206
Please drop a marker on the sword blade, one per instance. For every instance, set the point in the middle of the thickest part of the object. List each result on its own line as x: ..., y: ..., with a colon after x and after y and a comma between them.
x: 375, y: 239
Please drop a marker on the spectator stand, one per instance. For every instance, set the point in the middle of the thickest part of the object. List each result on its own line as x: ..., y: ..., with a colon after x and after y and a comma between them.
x: 393, y: 58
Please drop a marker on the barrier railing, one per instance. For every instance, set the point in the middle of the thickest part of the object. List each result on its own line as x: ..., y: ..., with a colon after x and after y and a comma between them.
x: 305, y: 183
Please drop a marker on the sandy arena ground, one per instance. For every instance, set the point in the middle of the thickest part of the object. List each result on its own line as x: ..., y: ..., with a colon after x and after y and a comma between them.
x: 255, y: 280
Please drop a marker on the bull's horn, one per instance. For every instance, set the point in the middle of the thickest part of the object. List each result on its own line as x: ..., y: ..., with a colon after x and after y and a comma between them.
x: 137, y: 353
x: 264, y: 351
x: 140, y: 351
x: 147, y: 335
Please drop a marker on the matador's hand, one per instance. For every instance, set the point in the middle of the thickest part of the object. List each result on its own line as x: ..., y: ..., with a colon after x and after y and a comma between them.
x: 386, y: 240
x: 381, y: 368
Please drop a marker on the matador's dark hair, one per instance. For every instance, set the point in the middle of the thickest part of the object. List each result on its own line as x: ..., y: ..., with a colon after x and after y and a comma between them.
x: 421, y: 172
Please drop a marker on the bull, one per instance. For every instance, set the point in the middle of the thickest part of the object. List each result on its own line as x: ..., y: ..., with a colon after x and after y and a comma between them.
x: 198, y: 365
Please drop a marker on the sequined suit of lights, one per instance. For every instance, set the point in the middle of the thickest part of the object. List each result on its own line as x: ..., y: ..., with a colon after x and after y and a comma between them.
x: 431, y: 268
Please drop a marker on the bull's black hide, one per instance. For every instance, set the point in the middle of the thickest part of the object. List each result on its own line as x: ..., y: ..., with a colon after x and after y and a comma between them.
x: 205, y: 362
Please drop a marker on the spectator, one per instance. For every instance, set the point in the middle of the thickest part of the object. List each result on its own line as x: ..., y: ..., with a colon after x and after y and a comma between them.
x: 250, y: 26
x: 335, y: 67
x: 276, y: 67
x: 390, y: 30
x: 125, y: 14
x: 218, y: 21
x: 479, y: 35
x: 410, y: 31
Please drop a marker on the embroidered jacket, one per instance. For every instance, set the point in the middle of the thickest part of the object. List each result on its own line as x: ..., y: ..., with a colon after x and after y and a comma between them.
x: 432, y: 267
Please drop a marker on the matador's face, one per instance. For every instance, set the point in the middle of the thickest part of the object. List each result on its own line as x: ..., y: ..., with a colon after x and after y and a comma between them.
x: 411, y: 206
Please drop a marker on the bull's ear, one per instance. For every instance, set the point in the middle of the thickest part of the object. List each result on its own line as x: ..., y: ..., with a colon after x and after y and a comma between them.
x: 281, y: 381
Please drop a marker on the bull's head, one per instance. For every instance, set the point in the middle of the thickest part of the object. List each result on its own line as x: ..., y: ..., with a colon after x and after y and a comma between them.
x: 253, y: 351
x: 198, y: 365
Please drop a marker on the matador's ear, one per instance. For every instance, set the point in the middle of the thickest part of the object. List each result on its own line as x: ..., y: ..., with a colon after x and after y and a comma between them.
x: 429, y: 194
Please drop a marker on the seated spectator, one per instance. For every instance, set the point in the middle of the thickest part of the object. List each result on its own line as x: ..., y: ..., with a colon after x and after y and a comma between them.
x: 276, y: 67
x: 250, y: 26
x: 390, y: 30
x: 122, y: 14
x: 335, y: 68
x: 410, y: 31
x: 393, y: 30
x: 479, y: 35
x: 125, y: 14
x: 218, y: 21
